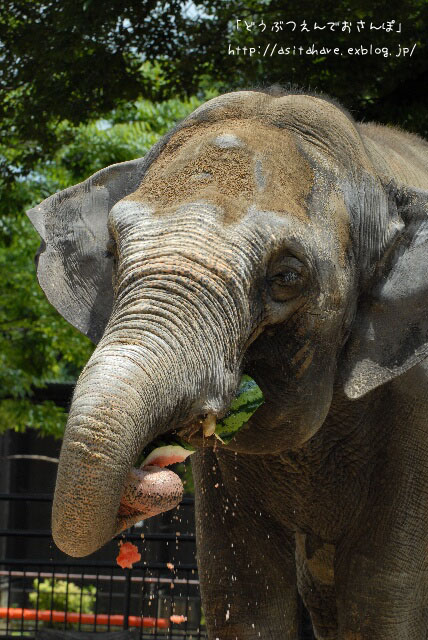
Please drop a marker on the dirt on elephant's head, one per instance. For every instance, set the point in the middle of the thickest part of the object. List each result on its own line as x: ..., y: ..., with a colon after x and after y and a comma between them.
x: 229, y: 164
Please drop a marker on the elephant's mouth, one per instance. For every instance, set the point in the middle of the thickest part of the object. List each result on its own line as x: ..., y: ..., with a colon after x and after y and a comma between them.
x: 152, y: 489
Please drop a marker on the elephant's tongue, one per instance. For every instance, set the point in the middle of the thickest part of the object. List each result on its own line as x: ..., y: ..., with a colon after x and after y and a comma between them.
x: 147, y: 492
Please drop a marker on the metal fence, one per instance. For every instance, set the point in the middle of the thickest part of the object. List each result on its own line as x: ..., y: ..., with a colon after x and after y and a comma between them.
x: 42, y: 588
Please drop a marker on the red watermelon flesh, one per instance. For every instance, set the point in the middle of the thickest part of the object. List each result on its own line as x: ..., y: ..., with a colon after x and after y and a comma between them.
x: 165, y: 455
x: 128, y: 555
x: 165, y: 461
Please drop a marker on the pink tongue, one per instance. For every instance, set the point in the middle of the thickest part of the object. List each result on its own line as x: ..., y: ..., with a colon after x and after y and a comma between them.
x: 147, y: 492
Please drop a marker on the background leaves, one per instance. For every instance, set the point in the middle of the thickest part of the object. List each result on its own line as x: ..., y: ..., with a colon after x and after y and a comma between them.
x: 87, y: 83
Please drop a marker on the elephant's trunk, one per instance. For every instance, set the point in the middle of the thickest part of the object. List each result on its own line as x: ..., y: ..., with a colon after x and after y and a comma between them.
x: 141, y: 381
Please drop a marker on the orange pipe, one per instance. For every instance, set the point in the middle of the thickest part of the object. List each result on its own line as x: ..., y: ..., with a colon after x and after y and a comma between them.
x: 47, y: 615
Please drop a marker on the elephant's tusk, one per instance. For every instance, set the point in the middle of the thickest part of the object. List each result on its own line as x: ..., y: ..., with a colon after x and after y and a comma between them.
x: 209, y: 425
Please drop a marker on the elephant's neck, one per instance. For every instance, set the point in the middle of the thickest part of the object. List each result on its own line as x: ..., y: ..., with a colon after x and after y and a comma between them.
x: 362, y: 446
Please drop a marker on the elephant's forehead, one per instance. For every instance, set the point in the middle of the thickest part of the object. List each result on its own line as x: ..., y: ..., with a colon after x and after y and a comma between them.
x: 234, y: 165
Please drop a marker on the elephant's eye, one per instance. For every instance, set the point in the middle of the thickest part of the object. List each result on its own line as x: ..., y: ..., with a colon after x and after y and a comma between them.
x: 287, y: 278
x: 287, y: 281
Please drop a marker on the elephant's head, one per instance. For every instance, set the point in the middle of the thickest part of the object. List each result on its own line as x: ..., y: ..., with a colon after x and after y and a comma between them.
x: 250, y: 239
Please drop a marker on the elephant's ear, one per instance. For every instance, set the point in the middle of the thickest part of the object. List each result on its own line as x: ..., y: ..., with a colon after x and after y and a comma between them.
x: 390, y: 333
x: 73, y: 266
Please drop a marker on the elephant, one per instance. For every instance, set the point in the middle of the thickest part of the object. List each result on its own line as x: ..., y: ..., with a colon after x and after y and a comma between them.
x: 268, y: 233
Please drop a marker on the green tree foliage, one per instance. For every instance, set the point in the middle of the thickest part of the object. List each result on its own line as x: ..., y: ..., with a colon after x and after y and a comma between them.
x: 36, y: 345
x: 76, y: 60
x: 390, y: 89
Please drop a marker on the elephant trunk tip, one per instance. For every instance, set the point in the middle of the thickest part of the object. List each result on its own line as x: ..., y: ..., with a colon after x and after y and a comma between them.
x: 76, y: 546
x: 146, y: 492
x: 80, y: 526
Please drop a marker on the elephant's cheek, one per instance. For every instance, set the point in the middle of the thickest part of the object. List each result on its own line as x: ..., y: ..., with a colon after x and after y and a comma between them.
x: 147, y: 492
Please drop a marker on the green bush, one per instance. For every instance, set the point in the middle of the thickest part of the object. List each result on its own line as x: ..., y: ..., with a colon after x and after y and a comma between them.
x: 60, y: 595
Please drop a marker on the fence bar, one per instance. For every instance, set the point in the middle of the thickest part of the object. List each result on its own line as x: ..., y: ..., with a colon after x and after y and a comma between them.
x: 150, y: 537
x: 48, y: 497
x: 96, y: 595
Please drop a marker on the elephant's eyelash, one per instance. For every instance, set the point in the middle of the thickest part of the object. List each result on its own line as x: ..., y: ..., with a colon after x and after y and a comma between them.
x: 111, y: 251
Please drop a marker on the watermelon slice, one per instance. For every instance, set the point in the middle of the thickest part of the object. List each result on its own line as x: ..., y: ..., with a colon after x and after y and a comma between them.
x: 163, y: 452
x: 166, y: 454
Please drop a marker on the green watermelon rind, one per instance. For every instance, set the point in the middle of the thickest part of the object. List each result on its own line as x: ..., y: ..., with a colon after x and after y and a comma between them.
x: 248, y: 399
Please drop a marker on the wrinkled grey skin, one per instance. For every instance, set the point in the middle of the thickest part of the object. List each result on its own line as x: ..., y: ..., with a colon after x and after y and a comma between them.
x: 271, y: 235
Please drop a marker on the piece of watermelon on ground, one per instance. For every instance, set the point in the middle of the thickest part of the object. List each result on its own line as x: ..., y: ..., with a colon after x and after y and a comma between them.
x: 128, y: 555
x: 177, y: 619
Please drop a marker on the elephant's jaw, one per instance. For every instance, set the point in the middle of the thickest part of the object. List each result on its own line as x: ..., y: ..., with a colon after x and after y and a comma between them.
x: 148, y: 492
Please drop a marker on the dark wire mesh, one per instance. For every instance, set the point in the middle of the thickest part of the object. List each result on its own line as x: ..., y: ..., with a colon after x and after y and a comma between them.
x: 45, y: 594
x: 41, y: 588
